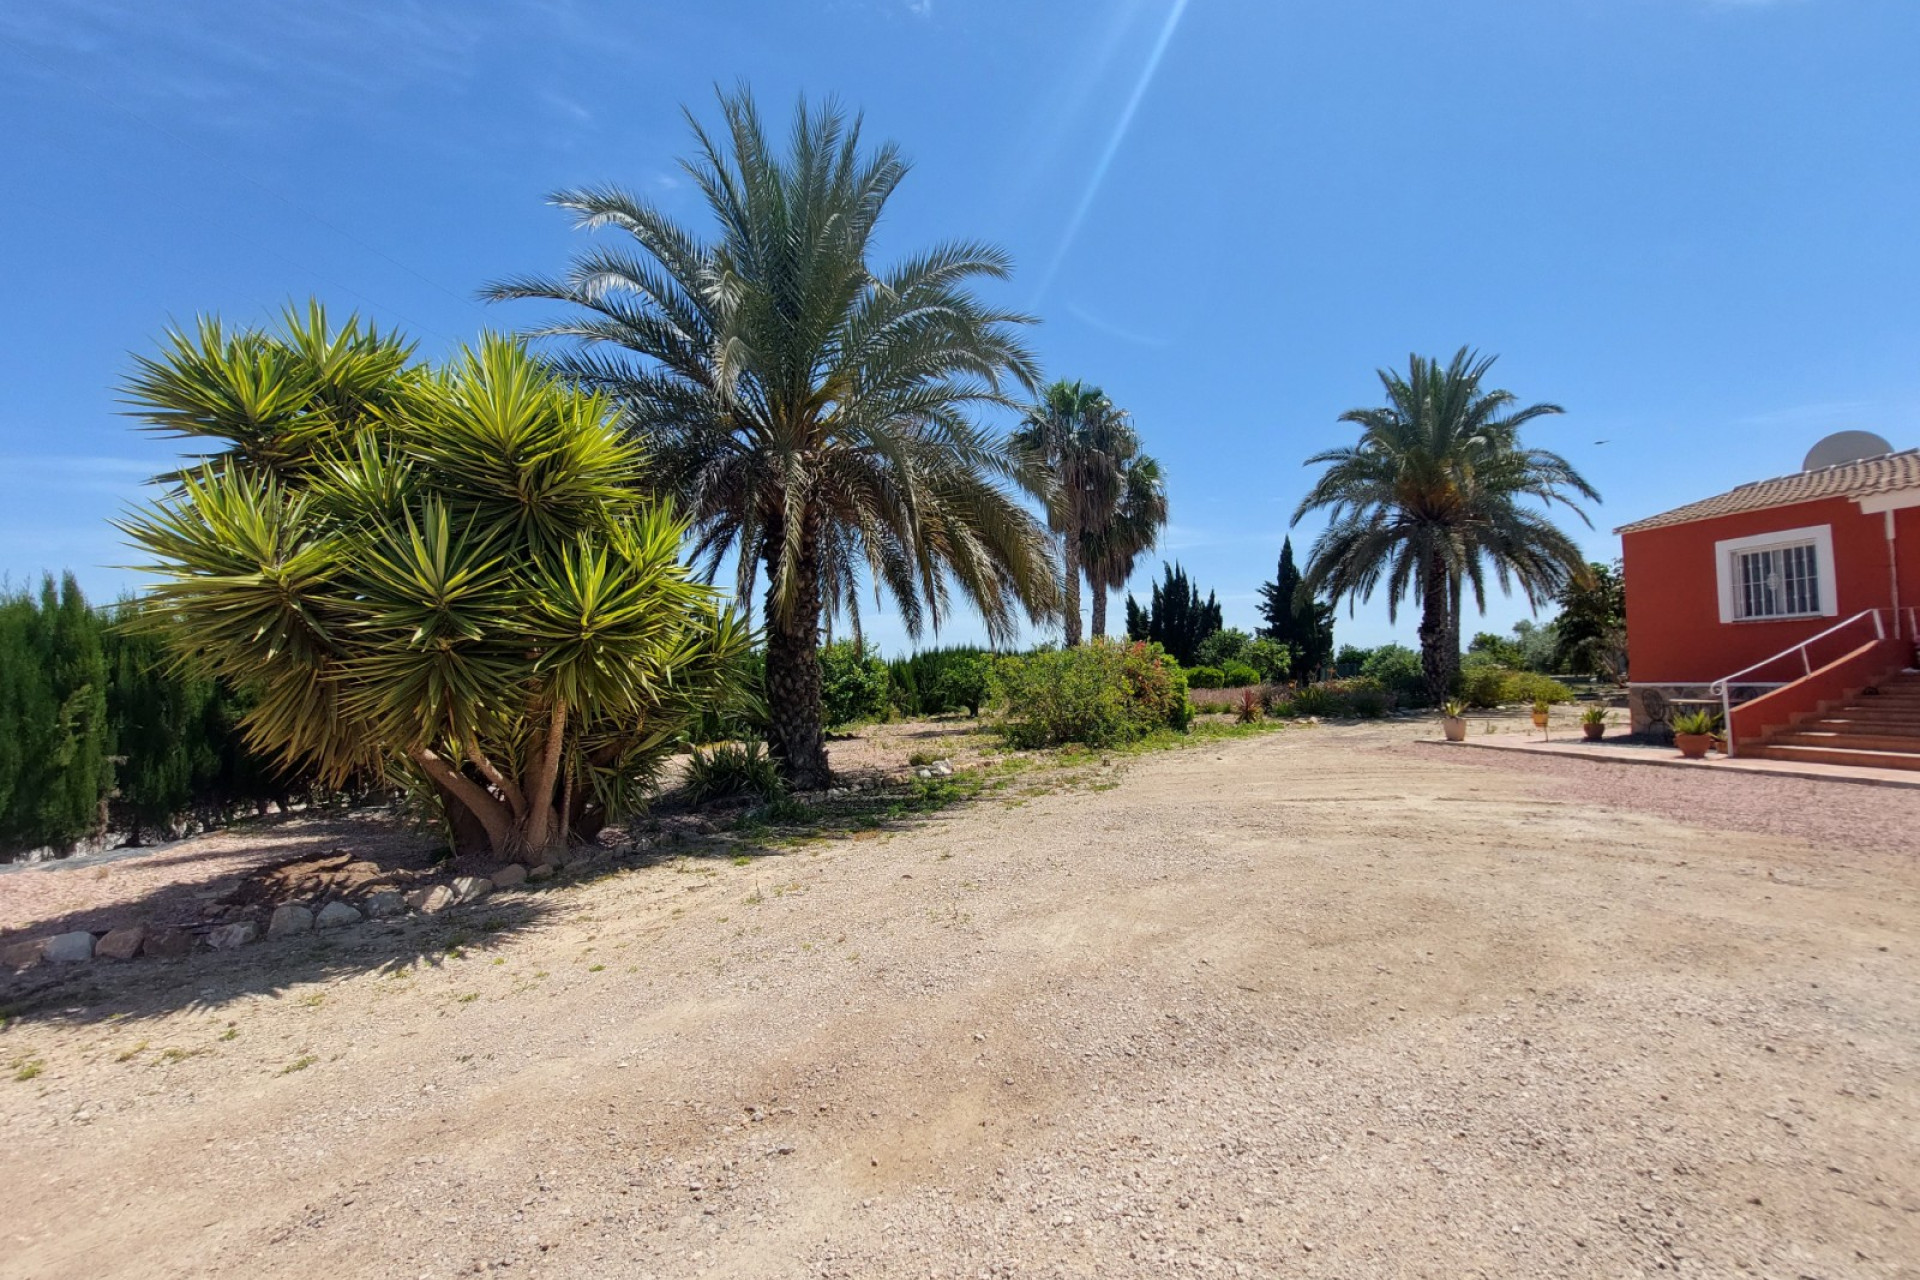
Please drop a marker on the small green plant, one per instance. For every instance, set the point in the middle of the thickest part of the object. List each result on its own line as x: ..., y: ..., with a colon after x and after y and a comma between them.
x: 1250, y: 708
x: 732, y: 769
x: 1594, y: 715
x: 300, y: 1063
x: 1692, y: 723
x: 27, y: 1068
x: 1453, y: 708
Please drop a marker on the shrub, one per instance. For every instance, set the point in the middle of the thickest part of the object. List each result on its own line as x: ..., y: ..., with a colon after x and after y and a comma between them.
x: 1206, y: 678
x: 1250, y: 708
x: 935, y: 681
x: 1100, y: 694
x: 1530, y: 686
x: 1483, y: 684
x: 1272, y: 659
x: 733, y: 769
x: 1398, y: 669
x: 853, y: 685
x: 1238, y: 675
x: 1224, y: 646
x: 1369, y: 702
x: 963, y: 684
x: 1315, y: 700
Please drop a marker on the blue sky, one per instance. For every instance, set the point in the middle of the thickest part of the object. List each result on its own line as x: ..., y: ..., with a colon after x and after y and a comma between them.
x: 1691, y: 222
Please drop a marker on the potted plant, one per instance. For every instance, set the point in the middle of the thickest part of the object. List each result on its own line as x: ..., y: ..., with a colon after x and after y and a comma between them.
x: 1593, y: 723
x: 1453, y: 720
x: 1540, y: 709
x: 1693, y: 733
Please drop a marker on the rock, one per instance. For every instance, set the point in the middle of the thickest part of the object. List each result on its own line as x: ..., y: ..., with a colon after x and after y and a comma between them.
x: 69, y: 948
x: 509, y: 876
x: 432, y: 899
x: 471, y: 888
x: 387, y: 902
x: 169, y: 944
x: 336, y: 914
x: 23, y: 955
x: 541, y: 872
x: 923, y: 773
x: 289, y: 918
x: 228, y: 936
x: 121, y: 944
x: 943, y: 767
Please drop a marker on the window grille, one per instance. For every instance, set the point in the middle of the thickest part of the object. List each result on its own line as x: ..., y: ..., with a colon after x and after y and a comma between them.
x: 1777, y: 582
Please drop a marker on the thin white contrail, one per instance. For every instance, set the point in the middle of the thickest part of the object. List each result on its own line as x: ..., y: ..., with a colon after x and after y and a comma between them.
x: 1118, y: 136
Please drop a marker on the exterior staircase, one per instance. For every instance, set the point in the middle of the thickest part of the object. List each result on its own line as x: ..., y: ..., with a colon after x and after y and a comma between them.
x: 1878, y: 728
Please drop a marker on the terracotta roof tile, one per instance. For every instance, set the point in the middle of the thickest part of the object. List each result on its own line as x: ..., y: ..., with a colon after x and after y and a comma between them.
x: 1888, y: 473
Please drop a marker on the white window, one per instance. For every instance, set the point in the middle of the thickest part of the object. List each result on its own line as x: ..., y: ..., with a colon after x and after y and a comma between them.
x: 1788, y: 574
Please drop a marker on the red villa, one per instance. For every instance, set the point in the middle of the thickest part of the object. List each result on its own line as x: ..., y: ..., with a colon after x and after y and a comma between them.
x: 1791, y: 605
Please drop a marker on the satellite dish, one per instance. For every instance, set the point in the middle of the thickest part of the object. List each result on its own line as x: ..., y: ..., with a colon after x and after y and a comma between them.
x: 1845, y: 446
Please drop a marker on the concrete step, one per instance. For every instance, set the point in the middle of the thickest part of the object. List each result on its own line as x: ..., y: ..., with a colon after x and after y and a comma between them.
x: 1908, y: 760
x: 1872, y: 715
x: 1852, y: 724
x: 1848, y: 740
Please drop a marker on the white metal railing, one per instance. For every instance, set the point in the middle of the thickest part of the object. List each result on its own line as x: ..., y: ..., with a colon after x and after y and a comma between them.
x: 1723, y: 687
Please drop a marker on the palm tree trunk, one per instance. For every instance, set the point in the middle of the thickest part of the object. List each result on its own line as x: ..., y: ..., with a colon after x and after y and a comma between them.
x: 1070, y: 576
x: 1099, y: 608
x: 795, y: 710
x: 1453, y: 632
x: 1434, y: 630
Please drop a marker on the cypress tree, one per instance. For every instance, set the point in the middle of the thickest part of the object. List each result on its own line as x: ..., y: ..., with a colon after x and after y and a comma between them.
x: 57, y: 779
x: 1175, y: 618
x: 1302, y: 623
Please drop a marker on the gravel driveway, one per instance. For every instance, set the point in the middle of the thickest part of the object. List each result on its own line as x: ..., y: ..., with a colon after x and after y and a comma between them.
x: 1313, y: 1004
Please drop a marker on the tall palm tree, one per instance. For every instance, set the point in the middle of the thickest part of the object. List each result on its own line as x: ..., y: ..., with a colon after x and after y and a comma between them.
x: 1073, y: 443
x: 1110, y: 551
x: 1433, y: 494
x: 810, y: 410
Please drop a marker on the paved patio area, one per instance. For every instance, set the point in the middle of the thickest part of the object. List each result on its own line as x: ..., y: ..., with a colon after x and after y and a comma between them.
x: 1567, y: 744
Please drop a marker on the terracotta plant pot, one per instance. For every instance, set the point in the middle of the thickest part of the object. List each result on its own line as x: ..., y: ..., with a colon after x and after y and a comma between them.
x: 1693, y: 745
x: 1594, y: 732
x: 1539, y: 719
x: 1455, y: 727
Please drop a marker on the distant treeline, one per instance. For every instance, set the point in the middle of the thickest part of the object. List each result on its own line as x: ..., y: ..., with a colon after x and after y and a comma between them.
x: 99, y: 733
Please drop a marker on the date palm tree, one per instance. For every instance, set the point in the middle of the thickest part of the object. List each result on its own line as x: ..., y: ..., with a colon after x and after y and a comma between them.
x: 1435, y: 492
x: 811, y: 410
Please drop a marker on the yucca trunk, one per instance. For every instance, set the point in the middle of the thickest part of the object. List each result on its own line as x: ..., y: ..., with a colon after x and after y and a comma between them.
x: 1099, y: 610
x: 795, y: 708
x: 1070, y: 579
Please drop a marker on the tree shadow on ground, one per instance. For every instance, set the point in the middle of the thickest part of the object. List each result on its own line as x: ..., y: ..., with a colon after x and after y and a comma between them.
x: 104, y: 990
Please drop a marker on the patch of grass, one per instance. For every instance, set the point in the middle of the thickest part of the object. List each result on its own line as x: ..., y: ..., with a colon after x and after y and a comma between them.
x: 470, y: 997
x: 595, y: 968
x: 315, y: 1000
x: 231, y: 1033
x: 742, y: 860
x: 300, y: 1063
x: 181, y: 1055
x: 27, y: 1068
x: 132, y: 1053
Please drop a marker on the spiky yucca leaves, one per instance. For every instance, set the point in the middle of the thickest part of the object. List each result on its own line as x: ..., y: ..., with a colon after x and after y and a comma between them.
x: 1433, y: 494
x: 464, y: 574
x: 810, y: 409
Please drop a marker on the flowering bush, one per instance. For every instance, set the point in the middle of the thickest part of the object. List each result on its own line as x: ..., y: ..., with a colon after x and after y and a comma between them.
x: 1101, y: 694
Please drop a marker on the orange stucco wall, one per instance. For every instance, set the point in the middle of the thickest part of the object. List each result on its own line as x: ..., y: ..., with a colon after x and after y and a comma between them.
x: 1674, y: 632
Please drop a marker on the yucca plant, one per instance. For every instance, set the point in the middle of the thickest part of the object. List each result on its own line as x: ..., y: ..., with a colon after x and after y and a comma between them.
x: 733, y: 769
x: 458, y: 574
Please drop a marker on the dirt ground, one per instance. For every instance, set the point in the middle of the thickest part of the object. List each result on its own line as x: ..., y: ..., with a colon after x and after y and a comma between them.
x: 1319, y: 1003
